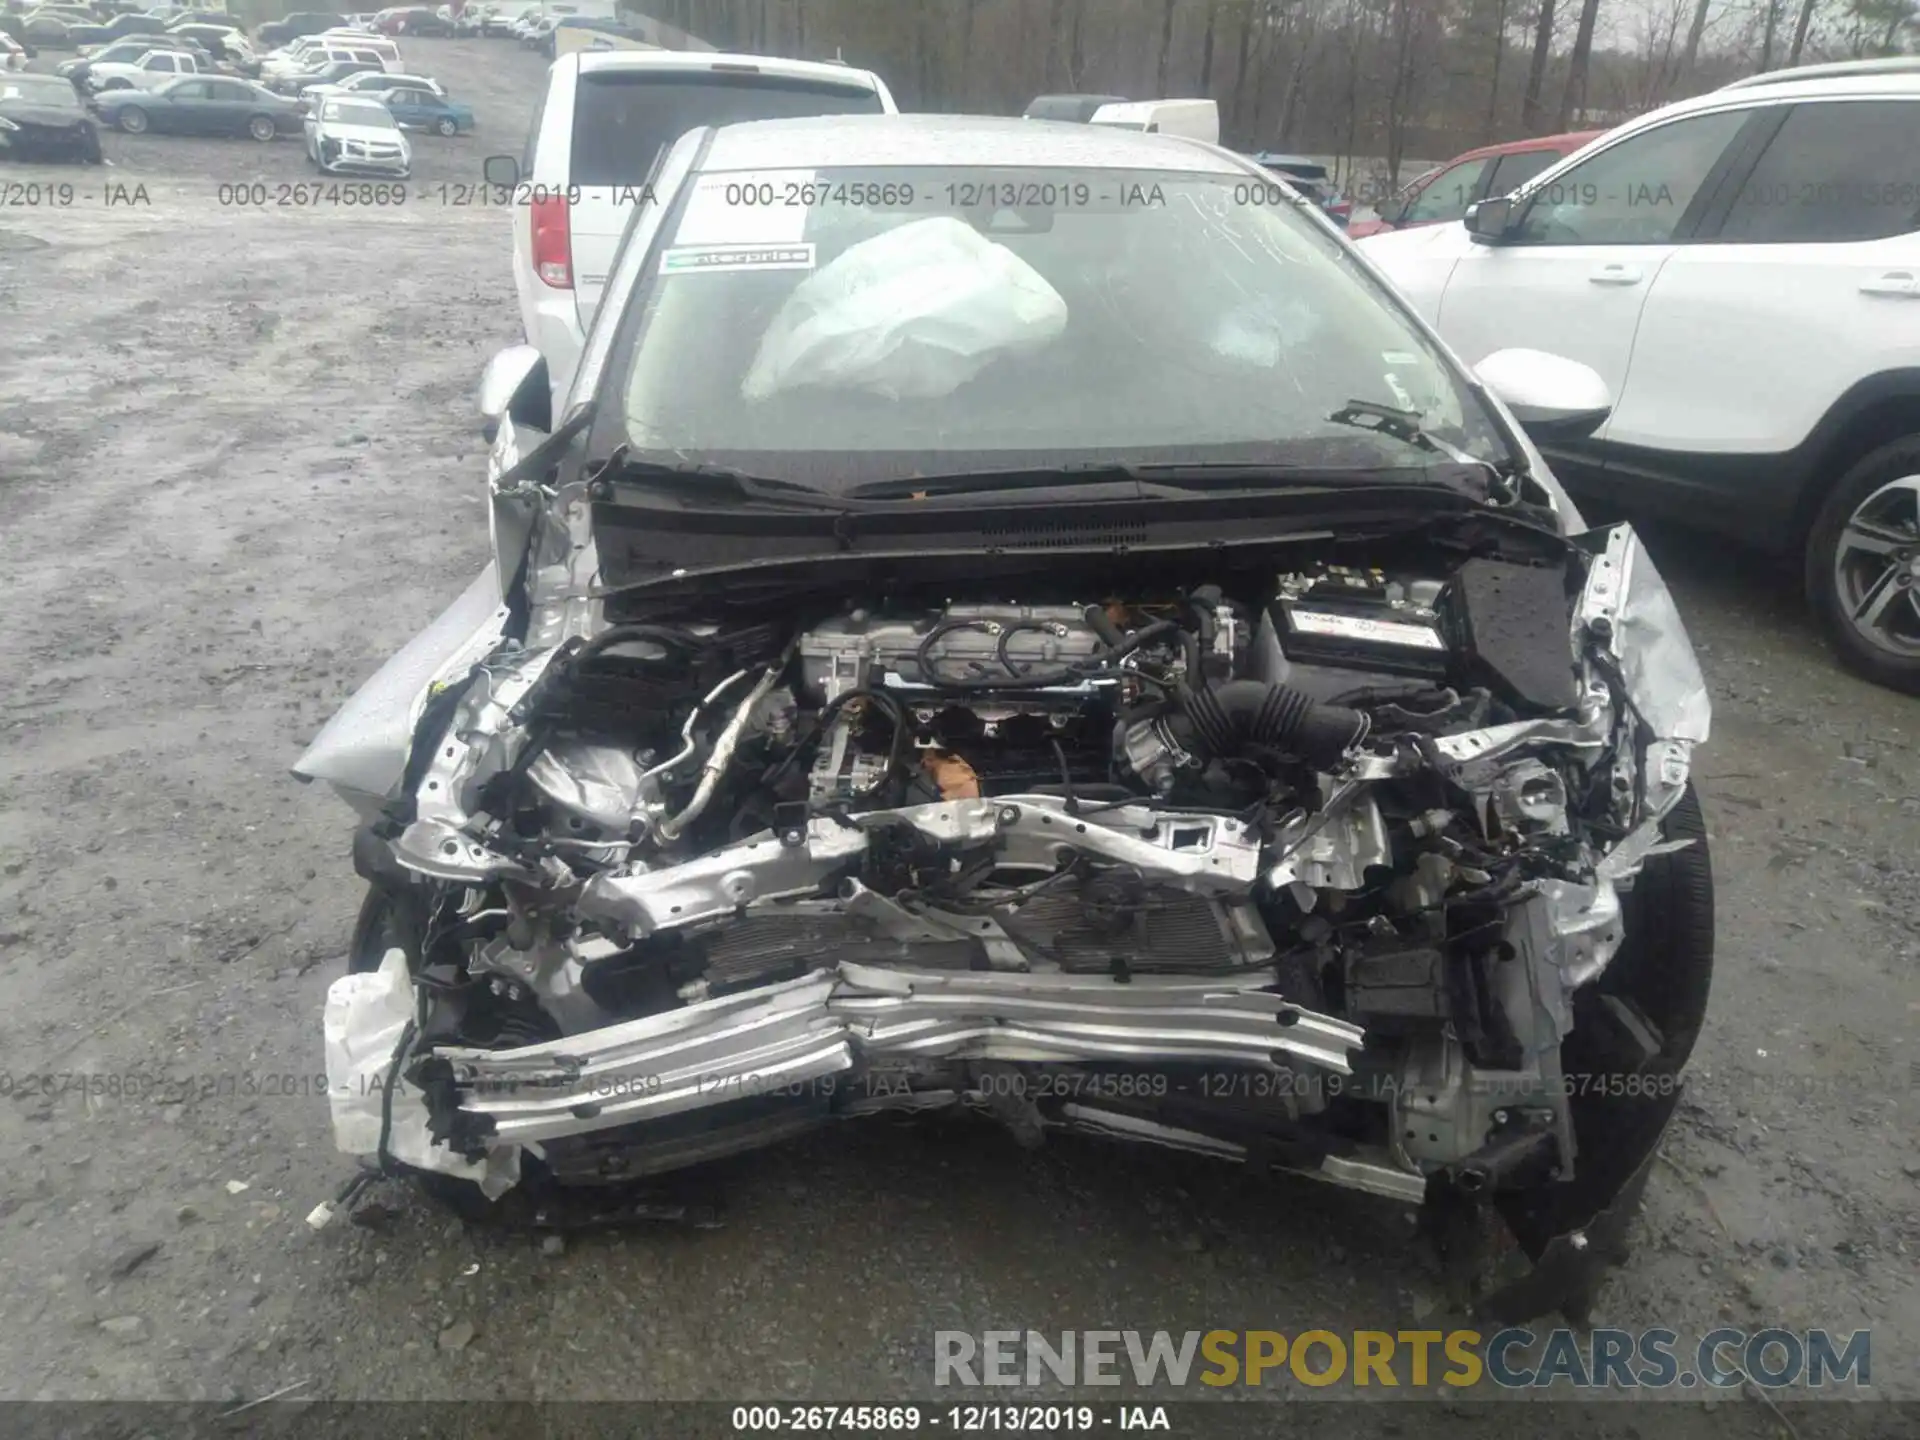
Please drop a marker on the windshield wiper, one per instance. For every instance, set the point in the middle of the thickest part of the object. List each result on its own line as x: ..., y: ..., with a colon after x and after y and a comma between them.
x: 1175, y: 476
x: 1018, y: 478
x: 1401, y: 425
x: 699, y: 478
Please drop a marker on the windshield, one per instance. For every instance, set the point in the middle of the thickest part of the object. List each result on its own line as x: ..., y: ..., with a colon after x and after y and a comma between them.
x: 39, y: 90
x: 1120, y: 316
x: 360, y: 113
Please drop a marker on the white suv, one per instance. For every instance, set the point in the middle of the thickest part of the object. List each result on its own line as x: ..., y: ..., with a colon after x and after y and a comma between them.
x: 602, y: 121
x: 1743, y: 269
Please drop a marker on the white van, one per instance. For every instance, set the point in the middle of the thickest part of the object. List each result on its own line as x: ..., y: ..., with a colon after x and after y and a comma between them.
x: 600, y: 123
x: 1198, y: 119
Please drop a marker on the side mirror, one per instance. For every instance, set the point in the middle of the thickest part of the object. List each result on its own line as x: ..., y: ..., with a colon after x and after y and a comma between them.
x: 501, y: 170
x: 1552, y: 397
x: 1489, y: 220
x: 515, y: 385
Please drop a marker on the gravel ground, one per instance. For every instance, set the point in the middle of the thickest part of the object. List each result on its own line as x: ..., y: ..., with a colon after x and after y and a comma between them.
x: 239, y: 466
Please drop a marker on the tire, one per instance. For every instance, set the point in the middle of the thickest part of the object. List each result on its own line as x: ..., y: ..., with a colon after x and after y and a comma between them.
x: 390, y: 918
x: 262, y: 128
x: 132, y: 119
x: 1633, y: 1032
x: 446, y: 127
x: 115, y: 84
x: 383, y: 922
x: 1863, y: 565
x: 1664, y: 966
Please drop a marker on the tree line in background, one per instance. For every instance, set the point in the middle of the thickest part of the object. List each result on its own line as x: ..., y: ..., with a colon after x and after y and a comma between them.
x: 1385, y: 79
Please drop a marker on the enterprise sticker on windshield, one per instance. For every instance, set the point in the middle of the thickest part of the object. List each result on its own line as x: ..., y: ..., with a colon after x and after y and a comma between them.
x: 1359, y: 627
x: 686, y: 259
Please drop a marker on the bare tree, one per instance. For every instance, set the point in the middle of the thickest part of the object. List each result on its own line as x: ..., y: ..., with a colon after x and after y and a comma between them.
x: 1166, y: 46
x: 1250, y: 11
x: 1800, y: 28
x: 967, y: 7
x: 1658, y: 64
x: 1768, y: 32
x: 1493, y: 81
x: 1206, y: 48
x: 923, y: 52
x: 1573, y: 99
x: 1305, y: 31
x: 1358, y: 23
x: 1532, y: 113
x: 1694, y: 32
x: 1399, y: 86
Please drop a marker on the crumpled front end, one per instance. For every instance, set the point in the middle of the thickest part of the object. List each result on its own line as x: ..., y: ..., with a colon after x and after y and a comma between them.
x: 1320, y: 867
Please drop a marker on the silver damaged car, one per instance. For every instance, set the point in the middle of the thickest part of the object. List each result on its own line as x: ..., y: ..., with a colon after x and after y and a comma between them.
x: 1020, y: 619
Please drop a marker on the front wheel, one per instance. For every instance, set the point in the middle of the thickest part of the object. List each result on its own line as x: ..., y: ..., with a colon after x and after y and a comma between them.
x: 262, y: 128
x: 446, y: 126
x: 1863, y: 565
x: 115, y: 85
x: 1634, y: 1031
x: 132, y: 119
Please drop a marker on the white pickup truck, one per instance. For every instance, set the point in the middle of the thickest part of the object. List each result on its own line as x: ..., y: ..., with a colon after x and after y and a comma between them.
x: 142, y: 74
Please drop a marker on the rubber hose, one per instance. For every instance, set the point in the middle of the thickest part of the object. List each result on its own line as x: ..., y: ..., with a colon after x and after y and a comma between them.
x: 1229, y: 717
x: 1102, y: 625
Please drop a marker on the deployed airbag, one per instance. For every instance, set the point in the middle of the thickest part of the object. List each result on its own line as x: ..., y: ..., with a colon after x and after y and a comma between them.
x: 911, y: 314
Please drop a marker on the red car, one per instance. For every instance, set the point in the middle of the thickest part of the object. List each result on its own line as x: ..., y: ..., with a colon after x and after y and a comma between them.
x: 1444, y: 194
x: 411, y: 20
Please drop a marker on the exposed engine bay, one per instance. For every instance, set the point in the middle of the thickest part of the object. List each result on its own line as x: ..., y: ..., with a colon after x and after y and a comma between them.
x: 1309, y: 864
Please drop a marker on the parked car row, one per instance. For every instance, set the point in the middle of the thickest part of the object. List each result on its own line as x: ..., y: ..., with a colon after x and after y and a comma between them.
x: 78, y: 27
x: 352, y: 111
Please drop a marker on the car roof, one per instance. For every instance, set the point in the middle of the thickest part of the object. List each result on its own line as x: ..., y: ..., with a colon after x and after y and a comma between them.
x: 1882, y: 65
x: 1896, y: 83
x: 972, y: 140
x: 1566, y: 143
x: 593, y: 61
